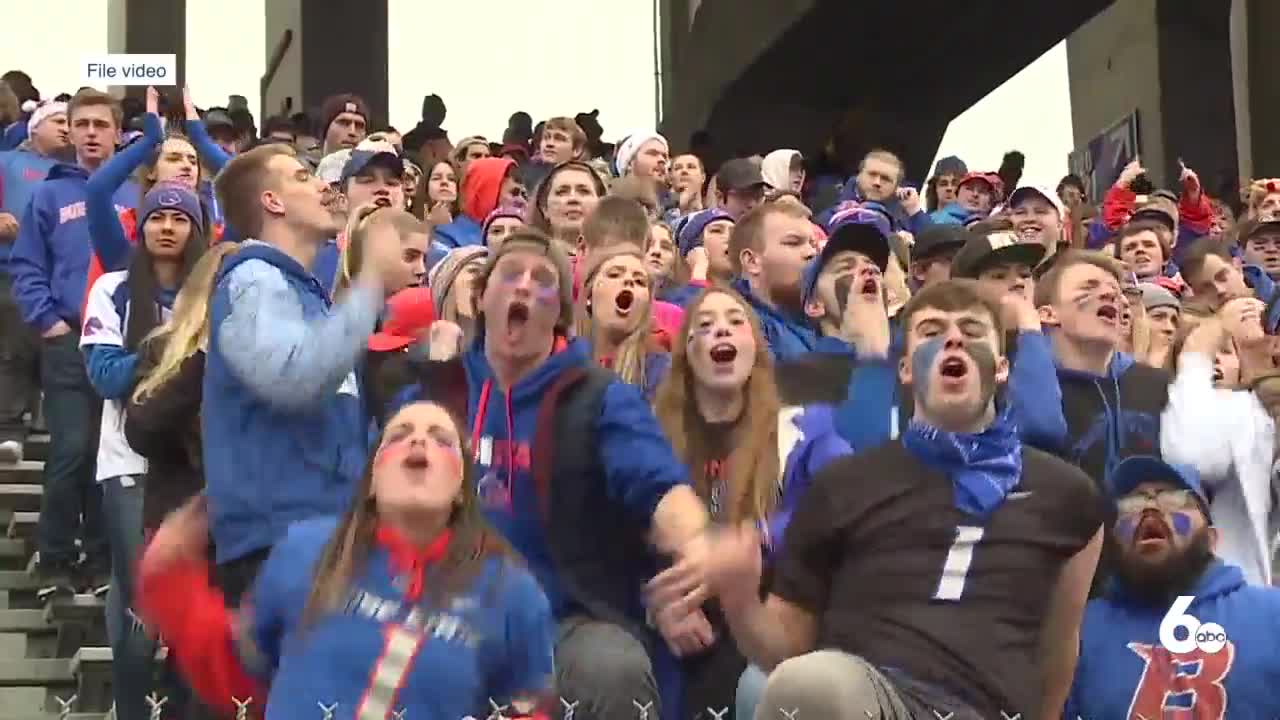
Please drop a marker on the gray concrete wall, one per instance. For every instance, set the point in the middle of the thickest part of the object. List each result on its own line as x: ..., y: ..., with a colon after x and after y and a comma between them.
x: 283, y: 15
x: 1113, y: 66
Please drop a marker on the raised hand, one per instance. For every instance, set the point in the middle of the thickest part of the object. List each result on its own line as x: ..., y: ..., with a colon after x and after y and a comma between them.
x: 187, y: 105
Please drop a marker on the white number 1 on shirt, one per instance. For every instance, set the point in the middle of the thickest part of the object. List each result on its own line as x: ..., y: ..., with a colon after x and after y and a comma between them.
x: 956, y: 567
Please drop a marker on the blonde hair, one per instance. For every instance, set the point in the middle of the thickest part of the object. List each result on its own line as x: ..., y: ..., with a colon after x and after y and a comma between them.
x: 359, y: 224
x: 629, y: 360
x: 187, y: 329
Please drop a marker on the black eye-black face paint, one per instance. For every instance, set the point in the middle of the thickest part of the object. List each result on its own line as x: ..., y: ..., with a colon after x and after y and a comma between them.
x: 843, y: 285
x: 985, y: 359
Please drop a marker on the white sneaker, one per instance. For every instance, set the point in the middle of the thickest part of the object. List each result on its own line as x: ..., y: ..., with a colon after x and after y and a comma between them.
x: 10, y: 452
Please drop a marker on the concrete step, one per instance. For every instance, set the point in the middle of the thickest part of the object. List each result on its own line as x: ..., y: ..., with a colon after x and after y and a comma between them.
x: 14, y: 554
x: 18, y: 580
x: 57, y: 716
x: 80, y: 608
x: 51, y: 673
x: 27, y: 471
x: 22, y: 525
x: 29, y: 622
x: 21, y: 497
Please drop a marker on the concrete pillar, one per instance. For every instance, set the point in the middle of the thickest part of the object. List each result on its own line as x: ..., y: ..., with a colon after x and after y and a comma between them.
x: 148, y: 26
x: 1171, y: 60
x: 1256, y: 95
x: 336, y: 47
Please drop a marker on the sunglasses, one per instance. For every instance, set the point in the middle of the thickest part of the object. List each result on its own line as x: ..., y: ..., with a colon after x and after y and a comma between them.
x: 1162, y: 500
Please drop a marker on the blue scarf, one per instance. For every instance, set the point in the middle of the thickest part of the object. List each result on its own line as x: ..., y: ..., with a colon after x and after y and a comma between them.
x: 983, y: 467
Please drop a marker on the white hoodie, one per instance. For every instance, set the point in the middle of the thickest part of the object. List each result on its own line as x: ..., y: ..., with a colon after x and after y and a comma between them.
x: 1229, y: 438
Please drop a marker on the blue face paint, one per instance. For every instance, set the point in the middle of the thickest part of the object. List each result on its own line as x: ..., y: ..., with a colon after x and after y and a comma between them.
x: 922, y: 365
x: 1126, y: 528
x: 1181, y: 523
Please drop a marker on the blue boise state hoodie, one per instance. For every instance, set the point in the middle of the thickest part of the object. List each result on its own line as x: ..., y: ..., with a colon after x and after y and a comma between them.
x: 1124, y: 671
x: 787, y: 335
x: 50, y: 259
x: 290, y: 443
x: 21, y: 172
x: 638, y: 463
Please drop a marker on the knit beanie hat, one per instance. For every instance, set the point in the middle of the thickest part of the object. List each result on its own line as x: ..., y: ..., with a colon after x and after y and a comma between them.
x: 172, y: 196
x: 44, y: 112
x: 446, y: 271
x: 950, y: 165
x: 689, y: 232
x: 629, y: 147
x: 505, y: 211
x: 1154, y: 296
x: 335, y: 105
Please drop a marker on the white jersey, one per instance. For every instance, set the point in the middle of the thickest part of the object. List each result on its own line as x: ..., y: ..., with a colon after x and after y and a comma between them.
x: 104, y: 325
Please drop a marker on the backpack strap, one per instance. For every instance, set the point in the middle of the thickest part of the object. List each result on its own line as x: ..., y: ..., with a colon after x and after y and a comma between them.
x: 546, y: 440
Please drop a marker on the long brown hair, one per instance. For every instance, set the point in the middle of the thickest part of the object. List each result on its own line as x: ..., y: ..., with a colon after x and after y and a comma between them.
x: 752, y: 471
x: 473, y: 543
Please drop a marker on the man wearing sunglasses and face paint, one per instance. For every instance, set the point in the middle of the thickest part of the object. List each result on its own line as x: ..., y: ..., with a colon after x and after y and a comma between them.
x: 924, y: 573
x: 1164, y: 541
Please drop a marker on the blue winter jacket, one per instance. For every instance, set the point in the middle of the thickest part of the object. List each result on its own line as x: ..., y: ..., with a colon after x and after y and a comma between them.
x: 913, y: 224
x: 952, y: 214
x: 50, y: 259
x: 284, y: 430
x: 787, y: 335
x: 1125, y: 672
x: 21, y: 172
x: 462, y: 232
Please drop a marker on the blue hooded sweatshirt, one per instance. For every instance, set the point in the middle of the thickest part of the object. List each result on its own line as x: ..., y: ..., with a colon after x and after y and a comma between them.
x: 1124, y: 672
x: 1111, y: 417
x: 952, y: 214
x: 50, y: 259
x: 21, y: 172
x: 462, y: 232
x: 285, y: 434
x: 639, y: 464
x: 787, y: 335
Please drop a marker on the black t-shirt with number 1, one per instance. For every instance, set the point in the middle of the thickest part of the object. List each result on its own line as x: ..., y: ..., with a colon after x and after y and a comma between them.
x: 896, y: 574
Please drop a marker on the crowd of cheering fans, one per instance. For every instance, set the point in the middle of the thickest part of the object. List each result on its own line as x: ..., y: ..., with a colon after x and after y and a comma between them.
x: 382, y: 425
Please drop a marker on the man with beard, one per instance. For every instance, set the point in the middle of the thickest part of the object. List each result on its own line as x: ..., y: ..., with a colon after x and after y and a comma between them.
x: 1170, y: 587
x: 936, y: 575
x: 769, y: 248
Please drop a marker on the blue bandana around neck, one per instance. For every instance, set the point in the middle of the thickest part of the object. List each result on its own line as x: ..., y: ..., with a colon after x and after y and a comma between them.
x: 983, y: 467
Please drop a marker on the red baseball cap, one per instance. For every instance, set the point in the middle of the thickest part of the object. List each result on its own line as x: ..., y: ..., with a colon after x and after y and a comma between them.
x: 409, y: 313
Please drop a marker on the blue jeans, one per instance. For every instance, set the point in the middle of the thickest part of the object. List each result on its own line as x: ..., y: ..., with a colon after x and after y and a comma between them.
x: 750, y: 689
x: 72, y: 504
x: 132, y: 652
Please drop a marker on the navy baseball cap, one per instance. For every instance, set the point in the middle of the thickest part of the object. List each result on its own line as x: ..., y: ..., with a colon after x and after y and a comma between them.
x: 1133, y: 471
x: 859, y: 229
x: 369, y: 152
x: 689, y: 229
